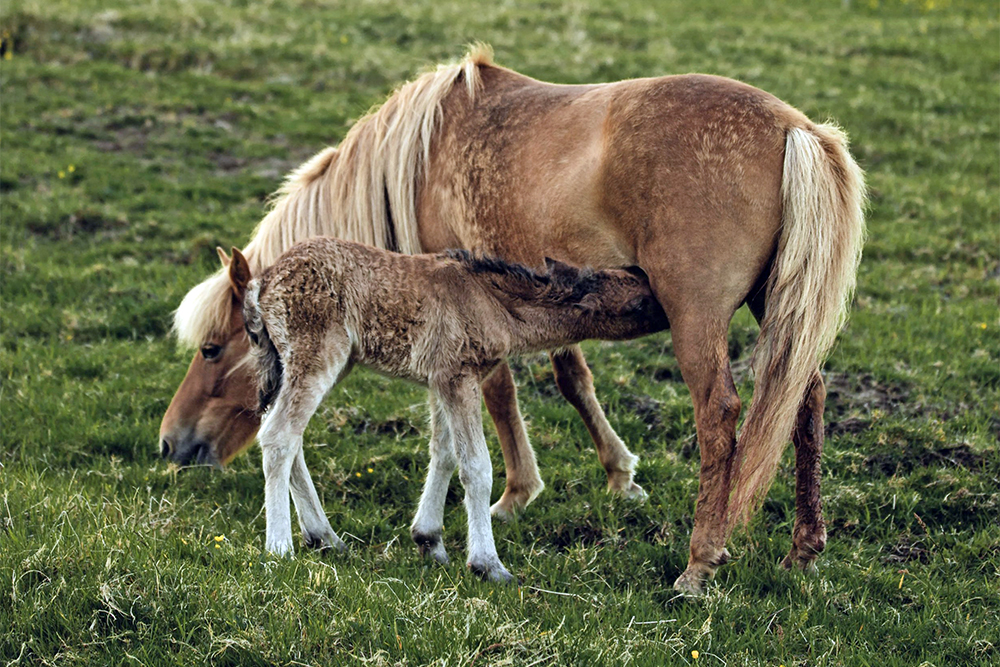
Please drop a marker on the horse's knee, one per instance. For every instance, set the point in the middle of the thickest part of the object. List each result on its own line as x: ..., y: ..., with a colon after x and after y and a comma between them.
x: 573, y: 377
x: 728, y: 407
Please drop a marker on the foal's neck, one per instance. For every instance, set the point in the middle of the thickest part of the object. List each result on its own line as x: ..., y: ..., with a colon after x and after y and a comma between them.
x: 538, y: 328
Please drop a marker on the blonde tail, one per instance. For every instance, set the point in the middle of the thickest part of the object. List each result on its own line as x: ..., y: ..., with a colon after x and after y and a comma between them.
x: 808, y: 294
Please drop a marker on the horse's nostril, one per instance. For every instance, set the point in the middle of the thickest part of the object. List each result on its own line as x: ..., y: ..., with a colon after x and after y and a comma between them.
x: 165, y: 448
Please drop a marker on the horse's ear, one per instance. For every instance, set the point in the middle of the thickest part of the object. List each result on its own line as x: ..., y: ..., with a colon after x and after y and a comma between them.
x: 222, y: 256
x: 239, y: 273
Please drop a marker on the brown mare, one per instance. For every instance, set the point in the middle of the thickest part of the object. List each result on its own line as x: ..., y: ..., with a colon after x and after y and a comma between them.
x: 720, y: 192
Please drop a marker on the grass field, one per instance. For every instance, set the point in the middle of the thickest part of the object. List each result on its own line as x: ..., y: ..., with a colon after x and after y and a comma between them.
x: 136, y: 137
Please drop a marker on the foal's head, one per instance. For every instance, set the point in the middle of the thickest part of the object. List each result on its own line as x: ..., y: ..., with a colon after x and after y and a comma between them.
x: 612, y: 304
x: 212, y: 417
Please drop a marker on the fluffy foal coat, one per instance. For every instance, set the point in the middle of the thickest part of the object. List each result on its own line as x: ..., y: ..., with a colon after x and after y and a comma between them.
x: 445, y: 321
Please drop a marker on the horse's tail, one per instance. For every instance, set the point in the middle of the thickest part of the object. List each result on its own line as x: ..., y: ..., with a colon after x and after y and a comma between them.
x: 808, y: 293
x: 269, y: 368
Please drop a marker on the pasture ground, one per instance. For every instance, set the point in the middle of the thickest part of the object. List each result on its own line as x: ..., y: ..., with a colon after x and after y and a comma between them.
x: 138, y: 136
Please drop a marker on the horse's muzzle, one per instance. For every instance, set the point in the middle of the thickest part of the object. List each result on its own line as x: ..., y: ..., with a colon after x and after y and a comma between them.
x: 196, y: 453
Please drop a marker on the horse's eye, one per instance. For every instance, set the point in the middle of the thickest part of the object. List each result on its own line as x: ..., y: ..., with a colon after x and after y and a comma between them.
x: 211, y: 352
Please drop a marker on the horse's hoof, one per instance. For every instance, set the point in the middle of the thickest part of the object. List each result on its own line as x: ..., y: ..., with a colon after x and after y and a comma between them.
x: 493, y: 571
x: 502, y: 510
x: 634, y: 492
x: 691, y: 583
x: 431, y: 546
x: 795, y: 560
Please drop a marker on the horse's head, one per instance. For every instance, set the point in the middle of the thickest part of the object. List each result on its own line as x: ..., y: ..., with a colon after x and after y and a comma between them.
x: 212, y: 417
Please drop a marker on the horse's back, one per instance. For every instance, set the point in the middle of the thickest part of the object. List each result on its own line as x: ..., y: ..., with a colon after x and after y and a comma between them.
x: 679, y: 171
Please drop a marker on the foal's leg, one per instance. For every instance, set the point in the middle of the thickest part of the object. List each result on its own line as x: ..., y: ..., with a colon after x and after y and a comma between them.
x: 809, y: 533
x: 576, y: 383
x: 460, y: 399
x: 703, y: 356
x: 317, y: 532
x: 523, y: 480
x: 304, y: 386
x: 279, y: 445
x: 428, y: 523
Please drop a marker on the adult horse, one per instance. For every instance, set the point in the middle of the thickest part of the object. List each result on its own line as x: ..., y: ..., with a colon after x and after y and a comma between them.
x: 722, y: 193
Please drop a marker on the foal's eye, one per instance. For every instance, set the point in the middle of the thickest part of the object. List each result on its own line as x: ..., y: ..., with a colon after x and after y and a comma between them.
x: 211, y: 352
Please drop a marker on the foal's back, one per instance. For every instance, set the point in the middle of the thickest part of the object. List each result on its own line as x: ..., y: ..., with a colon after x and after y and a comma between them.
x: 400, y: 313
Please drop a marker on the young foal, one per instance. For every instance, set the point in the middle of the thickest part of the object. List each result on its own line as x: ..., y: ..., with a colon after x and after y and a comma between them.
x: 445, y: 321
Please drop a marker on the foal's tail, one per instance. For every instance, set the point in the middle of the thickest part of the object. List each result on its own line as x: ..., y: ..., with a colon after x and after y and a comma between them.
x: 808, y: 294
x: 269, y: 368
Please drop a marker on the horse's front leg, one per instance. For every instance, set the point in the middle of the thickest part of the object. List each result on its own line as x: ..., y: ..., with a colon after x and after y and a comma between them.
x: 523, y: 480
x: 576, y: 383
x: 460, y: 399
x: 428, y: 524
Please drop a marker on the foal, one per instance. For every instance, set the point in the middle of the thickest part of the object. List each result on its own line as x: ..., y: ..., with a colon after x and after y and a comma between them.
x: 445, y: 321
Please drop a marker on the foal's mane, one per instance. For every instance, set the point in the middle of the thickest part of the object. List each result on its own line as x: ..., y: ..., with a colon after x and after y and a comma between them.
x: 567, y: 284
x: 363, y: 190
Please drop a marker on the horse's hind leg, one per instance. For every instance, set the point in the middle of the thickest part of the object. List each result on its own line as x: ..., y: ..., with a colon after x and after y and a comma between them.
x: 703, y: 356
x: 576, y: 383
x: 809, y: 533
x: 523, y: 480
x: 428, y: 524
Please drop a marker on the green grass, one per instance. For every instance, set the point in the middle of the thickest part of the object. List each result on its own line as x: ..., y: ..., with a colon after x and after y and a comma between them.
x: 179, y: 118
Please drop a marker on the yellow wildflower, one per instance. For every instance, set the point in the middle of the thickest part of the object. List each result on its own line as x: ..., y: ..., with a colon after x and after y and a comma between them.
x: 357, y: 474
x: 219, y: 538
x: 694, y: 654
x: 62, y: 174
x: 982, y: 325
x: 371, y: 470
x: 71, y: 168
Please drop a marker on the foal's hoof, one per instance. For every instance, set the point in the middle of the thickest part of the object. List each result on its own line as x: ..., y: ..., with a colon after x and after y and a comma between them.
x: 431, y: 546
x: 280, y: 548
x: 324, y: 543
x: 491, y: 571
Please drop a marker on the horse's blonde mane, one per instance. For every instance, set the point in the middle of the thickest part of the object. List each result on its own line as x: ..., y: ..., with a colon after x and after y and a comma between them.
x: 363, y: 190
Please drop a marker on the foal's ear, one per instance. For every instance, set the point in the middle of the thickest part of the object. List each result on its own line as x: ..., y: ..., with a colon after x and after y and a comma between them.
x: 554, y: 267
x: 239, y: 273
x: 223, y: 257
